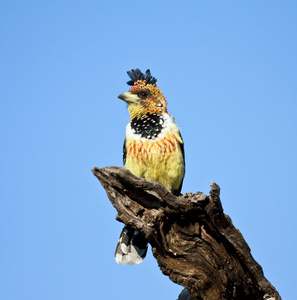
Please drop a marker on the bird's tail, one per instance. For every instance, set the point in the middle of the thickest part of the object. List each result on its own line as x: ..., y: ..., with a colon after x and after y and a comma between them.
x: 131, y: 248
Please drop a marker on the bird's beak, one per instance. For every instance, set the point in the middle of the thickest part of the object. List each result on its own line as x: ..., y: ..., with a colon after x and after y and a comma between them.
x: 129, y: 97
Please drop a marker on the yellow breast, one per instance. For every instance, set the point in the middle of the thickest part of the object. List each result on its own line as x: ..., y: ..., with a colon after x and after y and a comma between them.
x: 157, y: 160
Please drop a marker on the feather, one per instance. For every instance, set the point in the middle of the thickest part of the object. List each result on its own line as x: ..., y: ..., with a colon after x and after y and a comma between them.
x: 136, y: 74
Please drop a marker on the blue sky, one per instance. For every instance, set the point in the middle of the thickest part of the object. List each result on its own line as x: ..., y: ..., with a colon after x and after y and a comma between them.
x: 228, y: 71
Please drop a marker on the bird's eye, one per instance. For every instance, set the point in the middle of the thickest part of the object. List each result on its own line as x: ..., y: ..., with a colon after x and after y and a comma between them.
x: 142, y: 94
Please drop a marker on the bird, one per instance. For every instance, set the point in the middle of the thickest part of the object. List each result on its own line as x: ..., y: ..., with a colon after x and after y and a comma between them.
x: 153, y: 149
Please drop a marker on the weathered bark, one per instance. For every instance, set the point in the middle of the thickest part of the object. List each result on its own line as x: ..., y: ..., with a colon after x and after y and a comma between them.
x: 194, y: 242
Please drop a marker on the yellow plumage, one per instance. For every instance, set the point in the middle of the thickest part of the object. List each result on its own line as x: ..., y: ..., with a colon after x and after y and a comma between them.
x: 160, y: 160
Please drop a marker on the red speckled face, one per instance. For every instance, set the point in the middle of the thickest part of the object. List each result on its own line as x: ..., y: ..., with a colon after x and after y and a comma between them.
x: 150, y: 96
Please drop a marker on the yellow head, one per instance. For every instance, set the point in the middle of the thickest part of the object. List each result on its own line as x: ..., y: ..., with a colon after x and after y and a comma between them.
x: 144, y: 97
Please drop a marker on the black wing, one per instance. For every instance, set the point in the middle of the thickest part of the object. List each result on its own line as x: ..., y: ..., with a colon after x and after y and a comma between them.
x: 124, y: 152
x: 181, y: 145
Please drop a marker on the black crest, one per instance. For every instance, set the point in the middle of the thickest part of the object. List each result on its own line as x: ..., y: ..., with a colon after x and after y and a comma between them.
x: 137, y: 75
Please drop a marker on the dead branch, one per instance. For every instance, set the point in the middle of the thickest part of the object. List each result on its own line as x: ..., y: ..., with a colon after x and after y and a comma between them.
x: 194, y: 242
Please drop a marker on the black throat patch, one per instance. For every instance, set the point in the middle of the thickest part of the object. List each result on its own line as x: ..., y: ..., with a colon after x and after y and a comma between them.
x: 148, y: 126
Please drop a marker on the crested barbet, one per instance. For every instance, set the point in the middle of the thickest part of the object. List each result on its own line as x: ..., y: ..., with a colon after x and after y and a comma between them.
x: 153, y: 149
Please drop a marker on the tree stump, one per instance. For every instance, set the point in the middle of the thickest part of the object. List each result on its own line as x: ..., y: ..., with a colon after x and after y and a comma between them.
x: 193, y: 241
